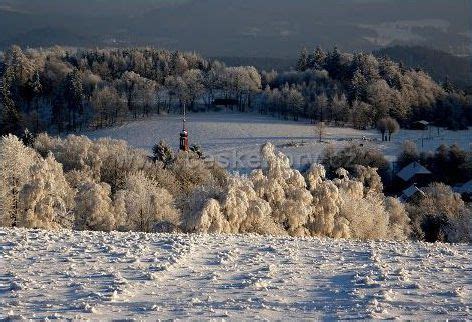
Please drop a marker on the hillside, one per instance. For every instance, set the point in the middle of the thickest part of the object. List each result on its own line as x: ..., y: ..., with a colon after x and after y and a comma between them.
x: 84, y: 275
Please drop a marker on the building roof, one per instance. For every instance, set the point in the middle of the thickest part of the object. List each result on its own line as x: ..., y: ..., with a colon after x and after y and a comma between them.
x: 423, y: 122
x: 465, y: 188
x: 408, y: 193
x: 411, y: 170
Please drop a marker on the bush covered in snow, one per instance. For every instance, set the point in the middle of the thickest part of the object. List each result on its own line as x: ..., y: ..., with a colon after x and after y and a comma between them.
x: 142, y: 204
x: 105, y: 185
x: 94, y: 207
x: 352, y: 156
x: 441, y: 215
x: 281, y: 200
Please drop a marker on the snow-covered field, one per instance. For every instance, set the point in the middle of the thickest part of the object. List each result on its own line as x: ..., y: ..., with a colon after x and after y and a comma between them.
x: 234, y: 139
x: 95, y: 275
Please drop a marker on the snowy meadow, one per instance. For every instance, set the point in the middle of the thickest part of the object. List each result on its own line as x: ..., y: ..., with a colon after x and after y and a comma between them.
x: 234, y: 139
x: 95, y: 275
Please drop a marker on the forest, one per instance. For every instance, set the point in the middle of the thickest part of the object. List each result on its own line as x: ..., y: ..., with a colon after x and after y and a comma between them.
x: 61, y: 90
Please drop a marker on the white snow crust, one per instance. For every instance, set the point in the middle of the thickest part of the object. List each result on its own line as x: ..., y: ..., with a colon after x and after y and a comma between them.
x: 239, y: 136
x: 94, y: 275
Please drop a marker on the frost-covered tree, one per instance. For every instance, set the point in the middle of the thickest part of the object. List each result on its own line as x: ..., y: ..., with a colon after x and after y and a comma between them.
x: 190, y: 171
x: 320, y: 131
x: 351, y: 156
x: 235, y: 209
x: 201, y: 211
x: 15, y: 162
x: 359, y: 88
x: 323, y: 220
x: 108, y: 106
x: 367, y: 216
x: 241, y: 82
x: 141, y: 205
x: 399, y: 220
x: 441, y: 215
x: 392, y: 127
x: 382, y: 127
x: 94, y: 207
x: 107, y: 160
x: 116, y: 187
x: 46, y: 200
x: 409, y: 153
x: 370, y: 179
x: 194, y: 85
x: 303, y: 60
x: 339, y: 109
x: 245, y: 211
x: 284, y: 189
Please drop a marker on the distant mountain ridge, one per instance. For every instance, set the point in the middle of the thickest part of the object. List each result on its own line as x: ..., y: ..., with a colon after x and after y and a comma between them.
x: 242, y: 28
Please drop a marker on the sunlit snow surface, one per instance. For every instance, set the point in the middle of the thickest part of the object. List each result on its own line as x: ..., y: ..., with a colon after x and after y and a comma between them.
x: 95, y: 275
x: 234, y: 139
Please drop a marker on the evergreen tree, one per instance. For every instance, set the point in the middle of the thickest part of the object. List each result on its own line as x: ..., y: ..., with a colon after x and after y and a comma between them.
x: 10, y: 114
x: 333, y: 63
x: 302, y: 63
x: 448, y: 86
x: 319, y: 58
x: 197, y: 150
x: 163, y: 152
x: 73, y: 94
x: 33, y: 90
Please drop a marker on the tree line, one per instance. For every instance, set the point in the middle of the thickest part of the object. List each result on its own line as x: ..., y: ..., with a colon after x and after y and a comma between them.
x: 105, y: 185
x: 360, y: 89
x: 61, y: 90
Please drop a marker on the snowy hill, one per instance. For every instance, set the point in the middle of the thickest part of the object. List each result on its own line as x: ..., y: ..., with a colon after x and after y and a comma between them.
x: 234, y: 139
x: 123, y: 275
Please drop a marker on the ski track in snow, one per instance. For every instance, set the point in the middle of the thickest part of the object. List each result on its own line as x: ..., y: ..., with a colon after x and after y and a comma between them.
x: 94, y: 275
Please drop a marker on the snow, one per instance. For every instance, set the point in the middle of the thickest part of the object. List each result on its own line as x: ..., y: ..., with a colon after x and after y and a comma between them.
x: 94, y: 275
x: 234, y: 139
x: 411, y: 170
x: 411, y: 191
x: 408, y: 193
x: 465, y: 188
